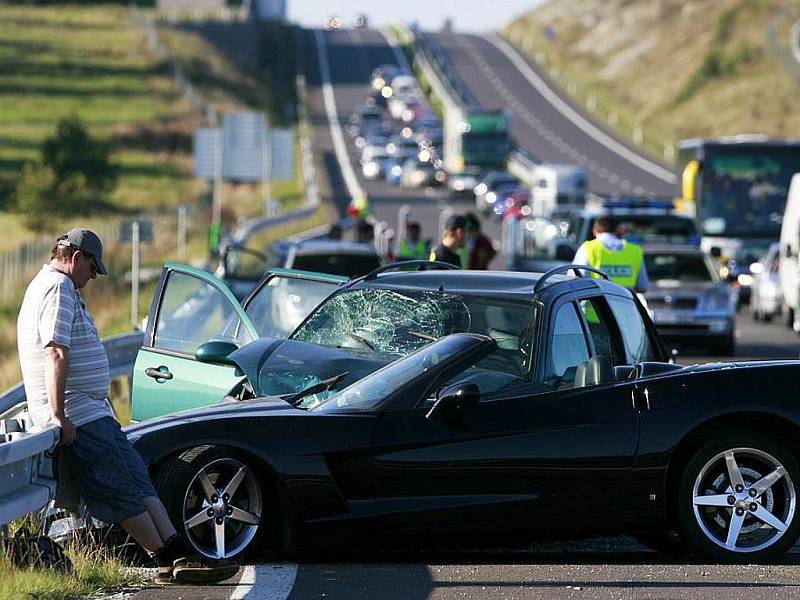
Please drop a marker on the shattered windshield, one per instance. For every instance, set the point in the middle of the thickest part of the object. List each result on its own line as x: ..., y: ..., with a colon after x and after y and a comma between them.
x: 395, y: 323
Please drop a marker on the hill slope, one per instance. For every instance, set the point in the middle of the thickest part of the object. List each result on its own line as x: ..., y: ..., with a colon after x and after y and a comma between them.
x: 674, y: 68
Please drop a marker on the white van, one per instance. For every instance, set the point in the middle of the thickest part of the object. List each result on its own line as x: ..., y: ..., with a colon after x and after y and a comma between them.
x: 558, y: 187
x: 790, y: 250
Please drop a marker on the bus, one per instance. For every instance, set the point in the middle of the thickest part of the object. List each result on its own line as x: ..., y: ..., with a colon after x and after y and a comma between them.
x: 736, y: 189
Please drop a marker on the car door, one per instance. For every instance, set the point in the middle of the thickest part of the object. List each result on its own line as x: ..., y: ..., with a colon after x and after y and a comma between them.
x: 191, y: 307
x: 556, y: 451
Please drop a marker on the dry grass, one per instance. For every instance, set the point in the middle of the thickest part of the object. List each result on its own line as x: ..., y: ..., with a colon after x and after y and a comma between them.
x: 636, y: 58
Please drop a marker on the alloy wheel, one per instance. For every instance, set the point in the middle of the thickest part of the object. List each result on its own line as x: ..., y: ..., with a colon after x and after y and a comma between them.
x: 744, y: 500
x: 222, y: 508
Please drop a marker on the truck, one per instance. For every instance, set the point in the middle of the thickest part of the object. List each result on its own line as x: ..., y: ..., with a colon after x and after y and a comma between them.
x: 558, y: 188
x: 475, y: 138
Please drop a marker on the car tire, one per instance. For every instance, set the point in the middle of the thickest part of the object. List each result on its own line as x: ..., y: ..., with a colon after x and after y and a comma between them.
x: 709, y: 482
x: 222, y: 492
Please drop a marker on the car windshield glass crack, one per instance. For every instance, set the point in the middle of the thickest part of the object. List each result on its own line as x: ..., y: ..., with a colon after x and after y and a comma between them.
x: 385, y: 320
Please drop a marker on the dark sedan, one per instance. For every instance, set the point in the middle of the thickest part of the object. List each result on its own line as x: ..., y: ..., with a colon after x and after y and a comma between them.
x: 591, y: 431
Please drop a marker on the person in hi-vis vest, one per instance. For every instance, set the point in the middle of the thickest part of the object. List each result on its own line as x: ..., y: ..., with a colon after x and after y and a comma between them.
x: 413, y: 248
x: 621, y: 260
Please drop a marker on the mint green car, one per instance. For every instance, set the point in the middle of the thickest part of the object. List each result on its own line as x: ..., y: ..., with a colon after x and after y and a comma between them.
x: 195, y: 322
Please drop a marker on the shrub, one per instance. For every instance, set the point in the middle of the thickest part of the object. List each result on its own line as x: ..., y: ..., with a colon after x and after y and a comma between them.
x: 72, y: 177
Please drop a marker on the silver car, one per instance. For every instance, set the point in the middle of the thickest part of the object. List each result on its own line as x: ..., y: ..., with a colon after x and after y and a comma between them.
x: 688, y: 300
x: 766, y: 297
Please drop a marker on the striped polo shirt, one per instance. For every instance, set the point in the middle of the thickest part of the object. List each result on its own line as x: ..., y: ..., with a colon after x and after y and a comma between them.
x: 53, y: 311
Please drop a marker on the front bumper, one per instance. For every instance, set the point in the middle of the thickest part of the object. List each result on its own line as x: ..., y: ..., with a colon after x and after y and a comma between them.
x: 689, y: 325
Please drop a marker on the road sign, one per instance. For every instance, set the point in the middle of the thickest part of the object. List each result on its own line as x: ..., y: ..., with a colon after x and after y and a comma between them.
x: 145, y: 231
x: 283, y: 154
x: 204, y: 139
x: 243, y: 149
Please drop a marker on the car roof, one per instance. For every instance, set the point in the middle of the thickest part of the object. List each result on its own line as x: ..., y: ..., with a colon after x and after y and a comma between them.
x: 672, y: 249
x: 507, y: 285
x: 308, y: 247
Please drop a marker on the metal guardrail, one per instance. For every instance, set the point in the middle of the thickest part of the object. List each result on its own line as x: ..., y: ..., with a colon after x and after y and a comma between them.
x: 26, y: 475
x: 432, y: 59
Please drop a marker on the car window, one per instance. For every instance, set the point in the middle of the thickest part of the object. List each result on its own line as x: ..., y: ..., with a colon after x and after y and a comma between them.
x: 568, y: 347
x: 349, y: 265
x: 633, y: 329
x: 680, y: 267
x: 280, y: 305
x: 193, y: 312
x: 594, y: 315
x: 398, y: 322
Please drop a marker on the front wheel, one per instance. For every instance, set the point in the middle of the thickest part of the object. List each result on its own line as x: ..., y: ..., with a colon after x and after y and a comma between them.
x: 214, y: 497
x: 737, y: 500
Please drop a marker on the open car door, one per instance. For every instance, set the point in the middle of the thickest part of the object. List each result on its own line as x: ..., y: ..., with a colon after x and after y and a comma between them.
x: 192, y: 307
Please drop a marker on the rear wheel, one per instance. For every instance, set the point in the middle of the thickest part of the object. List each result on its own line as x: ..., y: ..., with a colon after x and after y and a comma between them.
x: 215, y: 498
x: 737, y: 500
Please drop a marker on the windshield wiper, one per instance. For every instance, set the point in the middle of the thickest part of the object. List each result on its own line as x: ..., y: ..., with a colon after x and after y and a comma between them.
x: 424, y: 336
x: 324, y: 385
x: 362, y: 340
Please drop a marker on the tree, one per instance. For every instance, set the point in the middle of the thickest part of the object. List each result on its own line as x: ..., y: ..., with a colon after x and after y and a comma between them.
x: 73, y: 177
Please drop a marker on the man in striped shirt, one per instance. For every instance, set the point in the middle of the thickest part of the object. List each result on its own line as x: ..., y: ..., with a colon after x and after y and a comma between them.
x: 66, y: 374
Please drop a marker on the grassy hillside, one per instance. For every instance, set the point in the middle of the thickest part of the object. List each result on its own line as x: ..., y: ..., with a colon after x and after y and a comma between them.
x: 93, y: 61
x: 674, y: 68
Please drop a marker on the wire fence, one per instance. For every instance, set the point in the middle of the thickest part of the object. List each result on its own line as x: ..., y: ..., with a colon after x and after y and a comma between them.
x: 18, y: 266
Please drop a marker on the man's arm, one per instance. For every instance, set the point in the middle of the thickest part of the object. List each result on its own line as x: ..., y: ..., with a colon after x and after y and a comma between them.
x: 642, y: 281
x: 56, y: 366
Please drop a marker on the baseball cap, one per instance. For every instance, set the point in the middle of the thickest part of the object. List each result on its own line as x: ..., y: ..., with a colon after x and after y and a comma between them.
x: 87, y: 241
x: 455, y: 222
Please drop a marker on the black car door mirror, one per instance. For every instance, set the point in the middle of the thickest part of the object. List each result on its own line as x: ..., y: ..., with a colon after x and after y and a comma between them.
x: 455, y: 397
x: 624, y: 372
x: 216, y: 352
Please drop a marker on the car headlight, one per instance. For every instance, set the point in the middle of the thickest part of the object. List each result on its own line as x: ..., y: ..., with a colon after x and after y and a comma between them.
x: 491, y: 197
x: 459, y: 186
x: 745, y: 279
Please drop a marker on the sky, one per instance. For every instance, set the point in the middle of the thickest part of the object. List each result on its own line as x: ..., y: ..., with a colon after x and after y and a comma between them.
x: 467, y: 15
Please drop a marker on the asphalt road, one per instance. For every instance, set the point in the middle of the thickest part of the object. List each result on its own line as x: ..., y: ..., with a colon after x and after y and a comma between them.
x: 604, y: 568
x: 352, y: 55
x: 539, y: 127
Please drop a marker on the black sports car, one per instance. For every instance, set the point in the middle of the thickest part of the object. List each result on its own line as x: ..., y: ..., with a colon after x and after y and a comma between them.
x: 597, y: 434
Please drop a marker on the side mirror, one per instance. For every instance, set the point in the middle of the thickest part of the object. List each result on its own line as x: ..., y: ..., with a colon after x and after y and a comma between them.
x: 624, y: 372
x: 216, y: 352
x: 716, y: 251
x: 455, y: 396
x: 673, y: 355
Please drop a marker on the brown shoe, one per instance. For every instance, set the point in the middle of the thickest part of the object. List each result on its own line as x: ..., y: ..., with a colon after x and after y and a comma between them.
x: 195, y: 569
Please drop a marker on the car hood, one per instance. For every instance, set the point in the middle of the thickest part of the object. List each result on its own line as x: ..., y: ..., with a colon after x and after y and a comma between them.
x: 669, y: 287
x: 276, y: 367
x: 265, y: 406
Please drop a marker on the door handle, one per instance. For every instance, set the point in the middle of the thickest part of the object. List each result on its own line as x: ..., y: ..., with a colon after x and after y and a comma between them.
x: 641, y: 398
x: 158, y: 373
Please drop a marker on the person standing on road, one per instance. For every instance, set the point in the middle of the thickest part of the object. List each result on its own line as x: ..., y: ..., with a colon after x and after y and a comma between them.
x: 621, y: 260
x: 478, y: 251
x: 454, y: 237
x: 412, y: 247
x: 66, y: 375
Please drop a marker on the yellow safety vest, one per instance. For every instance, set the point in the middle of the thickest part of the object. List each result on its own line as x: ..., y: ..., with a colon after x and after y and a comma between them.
x: 418, y: 251
x: 622, y: 267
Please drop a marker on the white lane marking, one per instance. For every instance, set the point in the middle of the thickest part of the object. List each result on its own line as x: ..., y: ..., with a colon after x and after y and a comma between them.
x: 354, y: 189
x: 577, y: 119
x: 399, y: 55
x: 271, y: 581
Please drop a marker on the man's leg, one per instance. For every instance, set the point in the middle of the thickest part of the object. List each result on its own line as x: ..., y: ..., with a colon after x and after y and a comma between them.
x: 160, y: 519
x: 143, y: 529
